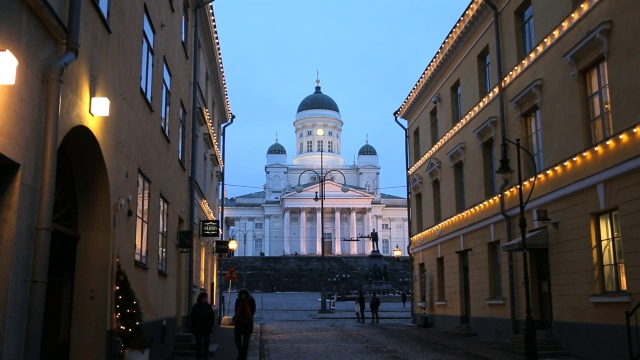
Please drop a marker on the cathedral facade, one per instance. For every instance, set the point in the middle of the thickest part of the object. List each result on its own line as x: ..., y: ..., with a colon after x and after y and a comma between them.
x: 317, y: 191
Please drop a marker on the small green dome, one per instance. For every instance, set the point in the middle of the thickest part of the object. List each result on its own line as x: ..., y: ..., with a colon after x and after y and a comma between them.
x: 367, y: 150
x: 276, y: 149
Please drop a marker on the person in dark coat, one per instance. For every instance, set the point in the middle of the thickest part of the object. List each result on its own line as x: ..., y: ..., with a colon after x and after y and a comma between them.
x: 202, y: 319
x: 361, y: 303
x: 374, y: 305
x: 404, y: 298
x: 243, y: 321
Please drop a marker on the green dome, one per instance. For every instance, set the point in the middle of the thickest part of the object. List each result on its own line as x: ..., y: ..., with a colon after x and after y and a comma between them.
x: 367, y: 150
x: 318, y: 101
x: 276, y: 149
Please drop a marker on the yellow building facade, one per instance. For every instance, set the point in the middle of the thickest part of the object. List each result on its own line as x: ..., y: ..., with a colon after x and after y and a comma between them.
x: 549, y: 94
x: 81, y: 190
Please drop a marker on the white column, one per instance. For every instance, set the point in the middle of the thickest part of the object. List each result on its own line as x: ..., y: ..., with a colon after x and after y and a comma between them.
x: 303, y: 231
x: 287, y: 237
x: 267, y: 233
x: 318, y: 232
x: 352, y: 230
x: 338, y: 244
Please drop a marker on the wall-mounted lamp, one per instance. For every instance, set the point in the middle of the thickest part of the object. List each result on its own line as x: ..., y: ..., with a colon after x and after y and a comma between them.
x: 541, y: 215
x: 8, y: 67
x: 99, y: 106
x: 435, y: 99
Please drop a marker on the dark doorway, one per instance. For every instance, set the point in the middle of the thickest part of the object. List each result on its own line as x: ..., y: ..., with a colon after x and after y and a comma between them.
x: 56, y: 329
x: 542, y: 288
x: 465, y: 294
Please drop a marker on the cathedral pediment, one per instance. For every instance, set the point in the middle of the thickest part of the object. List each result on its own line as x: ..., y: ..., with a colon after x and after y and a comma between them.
x: 334, y: 196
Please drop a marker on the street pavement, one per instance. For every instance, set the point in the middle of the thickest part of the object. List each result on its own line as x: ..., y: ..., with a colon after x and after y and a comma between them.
x: 289, y: 326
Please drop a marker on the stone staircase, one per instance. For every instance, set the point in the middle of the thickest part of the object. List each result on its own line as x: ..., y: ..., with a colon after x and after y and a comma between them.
x: 547, y: 344
x: 185, y: 347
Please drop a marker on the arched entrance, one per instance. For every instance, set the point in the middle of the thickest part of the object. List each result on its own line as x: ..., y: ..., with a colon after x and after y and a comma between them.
x: 77, y: 304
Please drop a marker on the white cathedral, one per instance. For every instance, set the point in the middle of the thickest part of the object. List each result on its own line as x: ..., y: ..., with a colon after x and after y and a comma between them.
x: 286, y: 218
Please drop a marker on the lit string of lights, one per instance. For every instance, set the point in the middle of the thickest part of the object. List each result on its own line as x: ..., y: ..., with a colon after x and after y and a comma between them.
x: 563, y: 167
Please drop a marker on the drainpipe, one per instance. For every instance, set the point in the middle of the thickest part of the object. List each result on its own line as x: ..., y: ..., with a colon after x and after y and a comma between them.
x: 406, y: 164
x: 504, y: 161
x: 224, y: 152
x: 40, y: 264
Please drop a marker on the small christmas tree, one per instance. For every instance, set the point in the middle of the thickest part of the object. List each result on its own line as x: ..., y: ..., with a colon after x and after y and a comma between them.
x: 128, y: 314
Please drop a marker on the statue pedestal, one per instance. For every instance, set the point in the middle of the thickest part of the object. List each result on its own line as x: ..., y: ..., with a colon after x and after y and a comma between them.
x: 377, y: 279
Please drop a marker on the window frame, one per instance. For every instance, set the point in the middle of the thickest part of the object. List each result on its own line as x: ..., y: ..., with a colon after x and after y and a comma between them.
x: 601, y: 94
x: 433, y: 118
x: 166, y: 99
x: 494, y: 265
x: 440, y: 286
x: 182, y: 136
x: 532, y: 125
x: 526, y: 29
x: 163, y: 235
x: 103, y: 6
x: 142, y: 219
x: 458, y: 177
x: 146, y: 71
x: 618, y: 274
x: 456, y: 103
x: 484, y: 72
x: 489, y: 167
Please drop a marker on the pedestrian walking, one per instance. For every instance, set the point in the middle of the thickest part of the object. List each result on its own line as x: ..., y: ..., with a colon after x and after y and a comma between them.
x: 374, y: 305
x: 202, y: 319
x: 404, y: 298
x: 358, y: 311
x: 243, y: 322
x: 361, y: 304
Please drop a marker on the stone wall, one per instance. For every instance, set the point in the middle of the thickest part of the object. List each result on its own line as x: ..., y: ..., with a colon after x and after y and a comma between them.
x: 303, y: 273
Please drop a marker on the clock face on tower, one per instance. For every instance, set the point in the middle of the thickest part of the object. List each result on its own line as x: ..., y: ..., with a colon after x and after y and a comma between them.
x: 320, y: 132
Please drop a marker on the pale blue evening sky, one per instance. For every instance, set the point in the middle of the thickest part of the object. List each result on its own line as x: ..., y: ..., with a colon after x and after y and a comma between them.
x: 369, y: 55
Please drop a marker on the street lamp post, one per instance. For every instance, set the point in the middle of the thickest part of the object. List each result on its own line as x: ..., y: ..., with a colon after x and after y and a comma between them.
x: 531, y: 349
x: 244, y: 232
x: 322, y: 178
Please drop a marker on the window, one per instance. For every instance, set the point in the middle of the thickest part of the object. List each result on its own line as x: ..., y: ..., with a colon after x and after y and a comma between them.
x: 320, y: 145
x: 300, y: 134
x: 142, y: 219
x: 440, y: 274
x: 385, y: 226
x: 300, y: 148
x: 203, y: 264
x: 437, y: 211
x: 484, y: 67
x: 185, y: 24
x: 434, y: 127
x: 527, y: 39
x: 385, y: 246
x: 182, y: 139
x: 422, y: 278
x: 458, y: 175
x: 330, y: 146
x: 309, y: 133
x: 166, y: 99
x: 257, y: 244
x: 533, y: 142
x: 103, y: 5
x: 456, y: 102
x: 257, y: 226
x: 162, y: 238
x: 488, y: 159
x: 330, y: 133
x: 309, y: 146
x: 146, y: 76
x: 614, y: 279
x: 599, y: 106
x: 419, y: 222
x: 495, y: 272
x: 416, y: 145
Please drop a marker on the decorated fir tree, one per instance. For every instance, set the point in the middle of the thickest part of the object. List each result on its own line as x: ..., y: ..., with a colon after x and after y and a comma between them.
x: 128, y: 314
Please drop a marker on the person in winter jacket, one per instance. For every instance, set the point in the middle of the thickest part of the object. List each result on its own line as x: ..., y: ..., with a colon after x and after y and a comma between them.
x: 202, y: 319
x: 243, y: 322
x: 374, y: 305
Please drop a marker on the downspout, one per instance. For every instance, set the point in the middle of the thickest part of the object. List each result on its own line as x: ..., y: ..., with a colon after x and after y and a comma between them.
x: 40, y: 264
x: 406, y: 163
x: 504, y: 162
x: 222, y: 222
